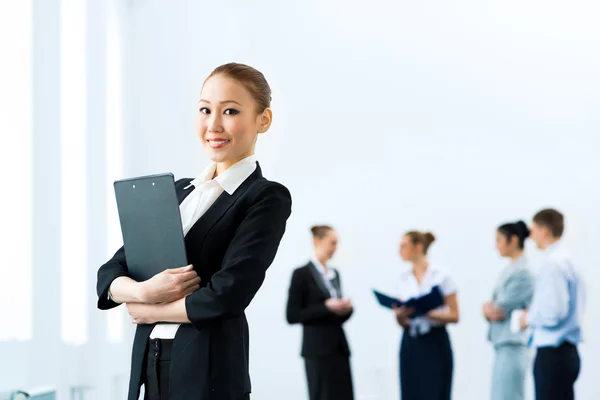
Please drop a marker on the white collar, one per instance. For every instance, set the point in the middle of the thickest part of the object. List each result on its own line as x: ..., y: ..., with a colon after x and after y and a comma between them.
x: 231, y: 178
x: 553, y: 247
x: 520, y: 261
x: 328, y: 273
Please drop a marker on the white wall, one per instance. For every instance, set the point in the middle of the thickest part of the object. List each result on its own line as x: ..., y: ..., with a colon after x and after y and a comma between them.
x: 43, y: 357
x: 388, y: 117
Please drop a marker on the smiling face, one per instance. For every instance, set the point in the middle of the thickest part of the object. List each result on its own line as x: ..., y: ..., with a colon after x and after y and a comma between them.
x: 227, y: 122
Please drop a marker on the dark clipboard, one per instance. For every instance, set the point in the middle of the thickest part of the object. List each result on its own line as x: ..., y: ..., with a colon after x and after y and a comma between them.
x: 151, y: 225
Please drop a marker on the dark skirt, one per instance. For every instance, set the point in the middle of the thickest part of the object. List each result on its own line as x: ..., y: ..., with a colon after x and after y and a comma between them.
x: 426, y: 366
x: 329, y: 378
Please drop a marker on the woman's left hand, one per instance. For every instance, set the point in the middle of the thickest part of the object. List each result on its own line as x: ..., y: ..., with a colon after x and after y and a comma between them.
x: 142, y: 314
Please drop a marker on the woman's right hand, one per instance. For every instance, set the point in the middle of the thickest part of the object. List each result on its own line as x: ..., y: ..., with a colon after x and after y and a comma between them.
x: 170, y: 285
x: 403, y: 315
x: 339, y: 306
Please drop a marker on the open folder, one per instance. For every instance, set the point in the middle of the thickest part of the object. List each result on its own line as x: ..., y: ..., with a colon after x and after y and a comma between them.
x: 151, y: 225
x: 421, y: 304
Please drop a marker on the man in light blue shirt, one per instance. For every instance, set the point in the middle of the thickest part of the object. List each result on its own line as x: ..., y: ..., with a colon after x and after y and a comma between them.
x: 555, y: 313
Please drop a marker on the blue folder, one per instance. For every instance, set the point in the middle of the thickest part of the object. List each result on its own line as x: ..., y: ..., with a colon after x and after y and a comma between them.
x: 422, y: 304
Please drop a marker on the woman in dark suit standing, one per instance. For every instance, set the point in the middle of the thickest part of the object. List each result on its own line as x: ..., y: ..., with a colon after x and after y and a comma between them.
x: 233, y: 220
x: 315, y: 301
x: 426, y: 360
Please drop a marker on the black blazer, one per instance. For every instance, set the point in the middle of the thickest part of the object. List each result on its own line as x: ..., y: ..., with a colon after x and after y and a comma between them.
x: 322, y: 330
x: 231, y: 246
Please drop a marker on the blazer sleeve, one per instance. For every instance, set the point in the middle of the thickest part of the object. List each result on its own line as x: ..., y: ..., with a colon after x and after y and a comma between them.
x: 297, y: 311
x: 114, y: 268
x: 246, y: 260
x: 517, y: 292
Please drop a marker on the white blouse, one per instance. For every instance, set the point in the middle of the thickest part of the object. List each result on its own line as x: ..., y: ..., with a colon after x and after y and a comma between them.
x: 409, y: 287
x: 328, y: 275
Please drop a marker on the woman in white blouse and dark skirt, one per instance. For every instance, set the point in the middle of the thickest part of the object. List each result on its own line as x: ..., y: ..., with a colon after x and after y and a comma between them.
x: 426, y: 361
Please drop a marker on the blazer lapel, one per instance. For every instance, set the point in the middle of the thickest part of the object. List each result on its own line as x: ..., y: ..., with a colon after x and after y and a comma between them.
x: 336, y: 284
x: 318, y: 279
x: 185, y: 191
x: 199, y: 230
x: 504, y: 275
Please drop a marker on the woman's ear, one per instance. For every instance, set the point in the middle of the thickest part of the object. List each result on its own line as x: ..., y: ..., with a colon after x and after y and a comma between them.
x: 316, y: 242
x: 265, y: 120
x: 514, y: 241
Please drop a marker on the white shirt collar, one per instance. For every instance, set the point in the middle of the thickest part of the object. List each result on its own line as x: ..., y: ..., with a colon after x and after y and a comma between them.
x: 520, y: 261
x: 552, y: 248
x: 328, y: 273
x: 408, y: 272
x: 231, y: 178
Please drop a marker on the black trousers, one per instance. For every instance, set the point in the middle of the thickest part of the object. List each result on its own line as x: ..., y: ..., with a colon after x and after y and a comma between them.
x: 426, y: 366
x: 555, y: 371
x: 158, y: 363
x: 157, y: 366
x: 329, y: 377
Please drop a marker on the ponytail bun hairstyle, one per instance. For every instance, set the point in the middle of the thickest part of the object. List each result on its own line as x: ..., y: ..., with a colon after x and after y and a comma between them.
x: 518, y: 229
x: 319, y: 231
x: 423, y: 238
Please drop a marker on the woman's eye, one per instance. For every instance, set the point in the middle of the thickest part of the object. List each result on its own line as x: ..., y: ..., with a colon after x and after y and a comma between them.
x: 231, y: 111
x: 204, y: 110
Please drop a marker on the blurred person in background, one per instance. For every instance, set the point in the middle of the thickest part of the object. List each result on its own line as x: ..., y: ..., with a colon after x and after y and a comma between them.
x: 316, y: 301
x: 555, y: 313
x: 426, y: 360
x: 513, y: 291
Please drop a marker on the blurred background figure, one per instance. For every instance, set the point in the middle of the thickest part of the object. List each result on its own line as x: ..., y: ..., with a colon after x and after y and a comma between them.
x: 426, y: 360
x: 315, y: 300
x: 513, y: 291
x: 556, y: 312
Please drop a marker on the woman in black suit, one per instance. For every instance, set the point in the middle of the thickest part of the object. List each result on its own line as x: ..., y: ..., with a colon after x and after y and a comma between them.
x: 315, y: 300
x: 233, y: 220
